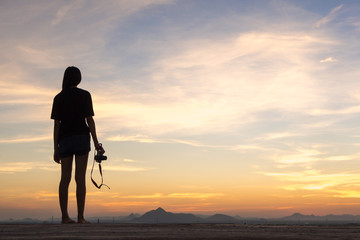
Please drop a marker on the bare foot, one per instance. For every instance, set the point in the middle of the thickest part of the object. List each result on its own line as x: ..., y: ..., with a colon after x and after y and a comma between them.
x: 83, y: 221
x: 67, y: 221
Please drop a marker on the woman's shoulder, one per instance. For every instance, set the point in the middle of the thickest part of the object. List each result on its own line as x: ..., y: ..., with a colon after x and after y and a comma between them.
x: 65, y: 93
x: 83, y: 91
x: 57, y: 96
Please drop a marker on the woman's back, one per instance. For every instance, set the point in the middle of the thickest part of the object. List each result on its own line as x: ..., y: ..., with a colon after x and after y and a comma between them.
x: 71, y: 106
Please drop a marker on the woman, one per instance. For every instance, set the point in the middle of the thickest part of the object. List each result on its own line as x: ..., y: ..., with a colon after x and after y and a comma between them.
x: 73, y: 113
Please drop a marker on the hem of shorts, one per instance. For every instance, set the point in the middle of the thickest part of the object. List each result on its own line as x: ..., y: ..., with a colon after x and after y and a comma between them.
x: 82, y: 153
x: 76, y: 154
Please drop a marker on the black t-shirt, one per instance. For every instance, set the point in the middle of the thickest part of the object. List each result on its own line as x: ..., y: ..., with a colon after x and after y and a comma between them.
x: 71, y: 106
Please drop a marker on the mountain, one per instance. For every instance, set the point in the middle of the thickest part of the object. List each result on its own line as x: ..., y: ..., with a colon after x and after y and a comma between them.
x: 161, y: 216
x: 328, y: 219
x: 299, y: 216
x: 221, y: 218
x: 131, y: 217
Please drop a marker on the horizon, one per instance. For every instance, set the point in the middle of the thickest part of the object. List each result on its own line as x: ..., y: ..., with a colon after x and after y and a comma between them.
x: 203, y: 216
x: 239, y: 107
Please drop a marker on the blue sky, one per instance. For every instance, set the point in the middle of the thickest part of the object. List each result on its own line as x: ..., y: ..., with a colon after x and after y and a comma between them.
x: 209, y: 105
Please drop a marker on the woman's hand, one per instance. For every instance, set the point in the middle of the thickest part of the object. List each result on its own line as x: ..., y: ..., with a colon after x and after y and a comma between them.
x: 99, y: 148
x: 56, y: 157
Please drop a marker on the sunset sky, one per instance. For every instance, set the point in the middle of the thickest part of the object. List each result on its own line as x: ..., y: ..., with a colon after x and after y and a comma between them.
x: 246, y: 108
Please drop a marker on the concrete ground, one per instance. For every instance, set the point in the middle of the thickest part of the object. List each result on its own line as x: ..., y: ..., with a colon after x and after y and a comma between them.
x: 177, y: 231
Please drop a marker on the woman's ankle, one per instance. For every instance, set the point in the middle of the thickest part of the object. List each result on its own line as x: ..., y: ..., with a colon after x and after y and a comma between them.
x: 82, y: 221
x: 67, y: 220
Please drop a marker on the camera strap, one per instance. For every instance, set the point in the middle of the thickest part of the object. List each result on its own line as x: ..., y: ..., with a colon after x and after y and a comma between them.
x: 102, y: 179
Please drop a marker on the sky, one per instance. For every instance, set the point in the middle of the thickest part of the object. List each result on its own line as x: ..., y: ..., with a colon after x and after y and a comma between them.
x: 246, y: 108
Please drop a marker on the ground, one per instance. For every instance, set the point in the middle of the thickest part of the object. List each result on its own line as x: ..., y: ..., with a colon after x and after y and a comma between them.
x: 177, y: 231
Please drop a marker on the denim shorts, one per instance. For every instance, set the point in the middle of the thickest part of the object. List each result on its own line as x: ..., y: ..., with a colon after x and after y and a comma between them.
x: 74, y: 145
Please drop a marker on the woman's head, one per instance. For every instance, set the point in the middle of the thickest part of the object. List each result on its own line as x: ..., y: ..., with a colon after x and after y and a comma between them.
x: 72, y: 77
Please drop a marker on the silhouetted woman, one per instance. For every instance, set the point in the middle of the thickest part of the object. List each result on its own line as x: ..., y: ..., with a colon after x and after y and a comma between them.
x: 73, y: 113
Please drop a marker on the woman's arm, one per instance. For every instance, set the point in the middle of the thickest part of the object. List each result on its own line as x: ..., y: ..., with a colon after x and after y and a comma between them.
x: 91, y: 123
x: 56, y: 140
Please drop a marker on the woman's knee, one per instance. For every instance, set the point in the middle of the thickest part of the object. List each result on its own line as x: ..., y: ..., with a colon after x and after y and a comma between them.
x: 65, y: 179
x: 79, y: 178
x: 66, y: 169
x: 80, y: 168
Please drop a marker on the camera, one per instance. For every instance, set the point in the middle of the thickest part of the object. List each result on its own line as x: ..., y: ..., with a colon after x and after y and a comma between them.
x: 100, y: 157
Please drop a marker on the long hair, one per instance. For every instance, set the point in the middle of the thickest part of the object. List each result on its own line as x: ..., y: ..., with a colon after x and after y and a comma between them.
x: 72, y: 77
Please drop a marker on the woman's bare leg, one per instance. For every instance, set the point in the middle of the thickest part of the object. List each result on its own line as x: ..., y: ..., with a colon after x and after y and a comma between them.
x: 66, y: 168
x: 80, y: 173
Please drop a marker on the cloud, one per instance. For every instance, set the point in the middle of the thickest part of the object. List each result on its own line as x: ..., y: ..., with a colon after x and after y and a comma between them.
x: 331, y: 16
x: 22, y: 100
x: 298, y: 157
x: 146, y: 139
x: 129, y: 166
x: 63, y: 12
x: 313, y: 180
x: 328, y: 60
x: 195, y: 195
x: 40, y: 57
x: 211, y: 86
x: 310, y: 168
x: 129, y: 160
x: 202, y: 86
x: 129, y: 204
x: 278, y: 135
x: 190, y: 195
x: 15, y: 90
x: 14, y: 167
x: 53, y: 33
x: 343, y: 204
x: 124, y: 168
x: 26, y: 139
x: 48, y: 195
x: 136, y: 138
x: 348, y: 193
x: 41, y: 195
x: 342, y: 111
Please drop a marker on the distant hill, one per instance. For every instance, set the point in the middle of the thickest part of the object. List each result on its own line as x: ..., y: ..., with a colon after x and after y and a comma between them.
x: 23, y: 221
x: 221, y: 218
x: 131, y: 217
x: 298, y: 217
x: 161, y: 216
